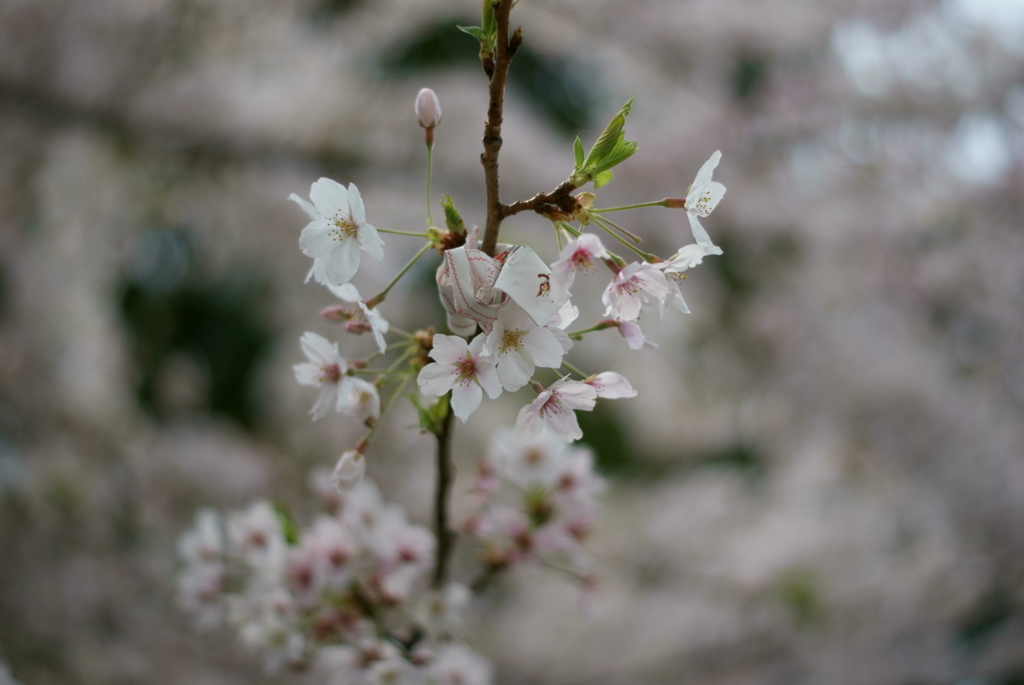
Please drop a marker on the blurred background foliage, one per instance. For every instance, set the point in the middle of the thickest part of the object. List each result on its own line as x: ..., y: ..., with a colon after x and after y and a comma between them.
x: 822, y: 478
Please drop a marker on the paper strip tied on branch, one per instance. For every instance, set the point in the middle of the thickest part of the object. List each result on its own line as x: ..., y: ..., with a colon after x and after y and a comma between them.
x: 474, y: 286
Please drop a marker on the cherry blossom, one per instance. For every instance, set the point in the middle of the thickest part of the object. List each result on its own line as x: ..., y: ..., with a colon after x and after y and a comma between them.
x: 687, y: 257
x: 519, y: 345
x: 370, y: 320
x: 702, y: 198
x: 635, y: 288
x: 363, y: 400
x: 349, y: 471
x: 554, y: 410
x: 610, y: 385
x: 456, y: 664
x: 462, y: 369
x: 630, y: 330
x: 579, y: 255
x: 337, y: 231
x: 326, y: 370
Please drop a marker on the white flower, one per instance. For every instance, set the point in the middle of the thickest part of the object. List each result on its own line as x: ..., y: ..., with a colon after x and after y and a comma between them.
x: 518, y: 345
x: 204, y: 543
x: 687, y: 257
x: 373, y: 319
x: 630, y: 330
x: 527, y: 464
x: 554, y: 409
x: 611, y: 385
x: 462, y: 369
x: 457, y: 664
x: 441, y: 610
x: 428, y: 109
x: 579, y: 255
x: 349, y: 471
x: 702, y: 198
x: 363, y: 401
x: 337, y: 231
x: 256, y: 535
x: 633, y: 289
x: 325, y: 369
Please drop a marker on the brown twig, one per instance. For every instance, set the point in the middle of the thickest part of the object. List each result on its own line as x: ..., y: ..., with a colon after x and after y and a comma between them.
x: 492, y: 129
x: 445, y: 476
x: 559, y: 199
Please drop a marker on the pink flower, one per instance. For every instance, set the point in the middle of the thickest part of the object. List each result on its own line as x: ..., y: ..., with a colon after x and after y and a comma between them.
x: 325, y: 369
x: 579, y: 255
x: 630, y: 330
x: 554, y: 409
x: 462, y: 369
x: 687, y: 257
x: 611, y: 385
x: 635, y: 288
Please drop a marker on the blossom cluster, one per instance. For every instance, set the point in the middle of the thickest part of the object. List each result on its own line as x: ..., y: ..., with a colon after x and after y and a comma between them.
x: 535, y: 503
x: 362, y: 592
x: 349, y: 595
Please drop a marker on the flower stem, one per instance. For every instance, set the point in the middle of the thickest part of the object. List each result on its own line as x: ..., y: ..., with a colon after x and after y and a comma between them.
x: 607, y: 323
x: 658, y: 203
x: 415, y: 235
x: 430, y: 165
x: 384, y: 409
x: 635, y: 238
x: 445, y: 477
x: 380, y: 297
x: 600, y: 222
x: 574, y: 369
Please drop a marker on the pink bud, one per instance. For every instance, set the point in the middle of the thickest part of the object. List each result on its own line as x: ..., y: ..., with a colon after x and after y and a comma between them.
x: 358, y: 326
x: 336, y: 312
x: 428, y: 109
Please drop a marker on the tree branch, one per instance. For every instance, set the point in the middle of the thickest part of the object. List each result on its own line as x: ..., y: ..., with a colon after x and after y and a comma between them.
x: 445, y: 477
x: 503, y: 54
x: 559, y: 199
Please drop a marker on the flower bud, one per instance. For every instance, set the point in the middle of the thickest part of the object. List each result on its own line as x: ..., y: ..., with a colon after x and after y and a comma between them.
x: 358, y: 327
x: 336, y: 312
x: 428, y: 109
x: 349, y: 471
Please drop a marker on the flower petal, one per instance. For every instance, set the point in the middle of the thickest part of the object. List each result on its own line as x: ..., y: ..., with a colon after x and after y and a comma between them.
x: 342, y: 263
x: 370, y: 241
x: 515, y: 369
x: 544, y: 347
x: 487, y: 376
x: 466, y: 398
x: 330, y: 198
x: 561, y: 422
x: 448, y: 349
x: 528, y: 425
x: 309, y: 209
x: 355, y: 204
x: 316, y: 240
x: 436, y: 379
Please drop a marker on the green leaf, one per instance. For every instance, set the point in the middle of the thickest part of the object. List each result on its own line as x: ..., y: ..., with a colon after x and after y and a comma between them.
x: 474, y: 31
x: 452, y: 217
x: 288, y: 527
x: 611, y: 143
x: 577, y: 149
x: 432, y: 417
x: 490, y: 25
x: 603, y: 178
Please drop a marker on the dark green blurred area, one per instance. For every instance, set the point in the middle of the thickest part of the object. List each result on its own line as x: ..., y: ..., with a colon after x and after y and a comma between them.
x: 558, y: 88
x: 169, y: 307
